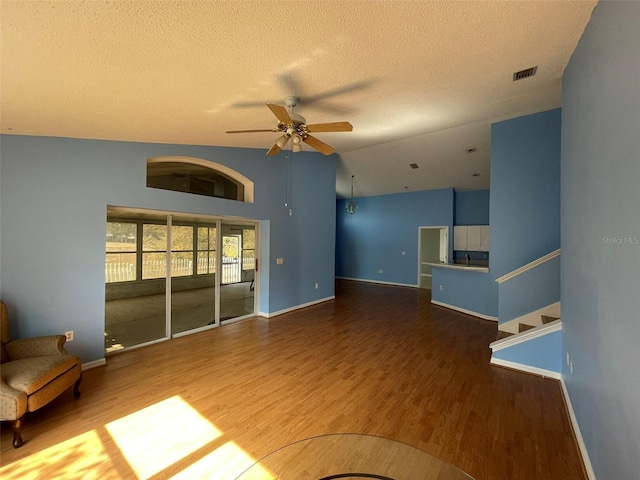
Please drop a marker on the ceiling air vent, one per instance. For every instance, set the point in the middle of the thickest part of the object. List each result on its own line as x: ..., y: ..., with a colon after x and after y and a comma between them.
x: 529, y: 72
x: 414, y: 165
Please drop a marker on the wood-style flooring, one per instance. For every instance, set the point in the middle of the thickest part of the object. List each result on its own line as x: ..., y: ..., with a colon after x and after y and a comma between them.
x: 378, y: 360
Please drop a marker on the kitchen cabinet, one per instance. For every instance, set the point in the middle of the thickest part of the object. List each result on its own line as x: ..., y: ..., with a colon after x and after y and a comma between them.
x: 484, y: 238
x: 472, y: 238
x: 460, y: 237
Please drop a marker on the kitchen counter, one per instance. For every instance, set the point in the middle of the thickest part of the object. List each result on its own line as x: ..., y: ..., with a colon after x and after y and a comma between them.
x: 460, y: 266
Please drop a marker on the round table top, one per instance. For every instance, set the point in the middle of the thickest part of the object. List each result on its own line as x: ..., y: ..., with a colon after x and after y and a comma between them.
x: 351, y: 456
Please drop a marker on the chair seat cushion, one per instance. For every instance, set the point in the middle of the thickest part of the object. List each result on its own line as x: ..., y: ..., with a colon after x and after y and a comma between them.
x: 31, y: 374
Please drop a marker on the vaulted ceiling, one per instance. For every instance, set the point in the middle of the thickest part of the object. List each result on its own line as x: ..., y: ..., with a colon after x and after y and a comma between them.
x: 421, y: 81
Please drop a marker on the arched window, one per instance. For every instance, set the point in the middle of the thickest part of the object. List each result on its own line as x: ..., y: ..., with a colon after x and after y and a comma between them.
x: 198, y: 176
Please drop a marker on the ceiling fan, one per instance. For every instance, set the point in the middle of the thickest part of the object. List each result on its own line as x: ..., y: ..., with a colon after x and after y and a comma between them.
x: 295, y: 127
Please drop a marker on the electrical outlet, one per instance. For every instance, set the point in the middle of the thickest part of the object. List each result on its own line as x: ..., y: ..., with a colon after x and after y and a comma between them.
x: 380, y: 271
x: 279, y: 261
x: 69, y: 335
x: 441, y: 288
x: 404, y: 253
x: 316, y: 286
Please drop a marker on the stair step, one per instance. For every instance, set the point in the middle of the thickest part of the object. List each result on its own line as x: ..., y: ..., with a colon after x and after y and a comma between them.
x: 502, y: 335
x: 523, y: 327
x: 548, y: 319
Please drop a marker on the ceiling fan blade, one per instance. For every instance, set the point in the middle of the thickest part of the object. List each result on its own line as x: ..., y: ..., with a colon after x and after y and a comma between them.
x: 330, y: 127
x: 340, y: 90
x: 253, y: 131
x: 281, y: 113
x: 330, y: 107
x: 318, y: 145
x: 248, y: 104
x: 274, y: 150
x: 290, y: 83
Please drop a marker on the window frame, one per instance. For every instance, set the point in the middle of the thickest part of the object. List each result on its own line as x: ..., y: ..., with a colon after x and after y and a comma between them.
x: 244, y: 185
x: 140, y: 251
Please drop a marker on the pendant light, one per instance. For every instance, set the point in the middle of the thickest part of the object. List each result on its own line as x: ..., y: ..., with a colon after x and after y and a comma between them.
x: 352, y: 206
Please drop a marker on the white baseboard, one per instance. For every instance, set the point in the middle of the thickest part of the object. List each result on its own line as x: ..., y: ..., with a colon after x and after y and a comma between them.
x: 576, y: 430
x: 95, y: 363
x: 296, y: 307
x: 526, y: 368
x: 464, y: 310
x: 395, y: 284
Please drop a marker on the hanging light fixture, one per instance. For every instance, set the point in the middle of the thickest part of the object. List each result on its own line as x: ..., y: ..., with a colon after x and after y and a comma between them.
x: 282, y: 141
x: 352, y: 206
x: 296, y: 142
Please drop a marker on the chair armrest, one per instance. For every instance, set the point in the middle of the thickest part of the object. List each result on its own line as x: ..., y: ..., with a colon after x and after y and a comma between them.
x: 36, y: 347
x: 13, y: 403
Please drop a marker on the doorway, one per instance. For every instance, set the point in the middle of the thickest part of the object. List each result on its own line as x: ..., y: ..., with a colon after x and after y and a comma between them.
x: 433, y: 247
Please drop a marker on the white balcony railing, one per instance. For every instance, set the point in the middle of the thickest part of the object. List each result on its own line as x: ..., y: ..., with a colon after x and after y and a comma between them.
x: 180, y: 267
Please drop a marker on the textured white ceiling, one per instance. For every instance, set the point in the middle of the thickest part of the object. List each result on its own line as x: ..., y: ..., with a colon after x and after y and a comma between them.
x: 420, y: 81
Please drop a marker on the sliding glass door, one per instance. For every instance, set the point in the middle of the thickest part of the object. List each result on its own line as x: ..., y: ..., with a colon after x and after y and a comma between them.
x: 237, y: 285
x: 193, y: 278
x: 135, y: 282
x: 168, y: 275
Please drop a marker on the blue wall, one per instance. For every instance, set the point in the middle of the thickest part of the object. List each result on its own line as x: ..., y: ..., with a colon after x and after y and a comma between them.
x: 54, y: 198
x: 383, y: 227
x: 543, y: 352
x: 601, y: 237
x: 530, y: 291
x: 467, y: 290
x: 471, y: 208
x: 525, y: 190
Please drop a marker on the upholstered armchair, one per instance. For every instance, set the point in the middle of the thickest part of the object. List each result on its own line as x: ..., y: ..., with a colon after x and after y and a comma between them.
x: 34, y: 371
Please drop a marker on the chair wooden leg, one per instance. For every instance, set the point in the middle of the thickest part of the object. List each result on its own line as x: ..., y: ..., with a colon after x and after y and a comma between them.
x: 16, y: 425
x: 76, y: 388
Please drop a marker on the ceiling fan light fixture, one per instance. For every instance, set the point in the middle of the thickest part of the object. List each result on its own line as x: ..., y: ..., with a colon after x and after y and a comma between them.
x: 282, y: 141
x: 296, y: 147
x: 294, y: 126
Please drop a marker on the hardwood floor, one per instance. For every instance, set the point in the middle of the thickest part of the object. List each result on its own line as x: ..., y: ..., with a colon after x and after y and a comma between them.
x: 379, y: 360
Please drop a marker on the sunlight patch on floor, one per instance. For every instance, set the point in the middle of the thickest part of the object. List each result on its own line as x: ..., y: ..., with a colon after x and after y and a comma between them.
x: 156, y: 437
x: 227, y: 461
x: 83, y: 456
x: 148, y: 442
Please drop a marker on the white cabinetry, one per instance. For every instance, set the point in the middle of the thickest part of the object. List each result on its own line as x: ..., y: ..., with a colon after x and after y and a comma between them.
x: 484, y: 238
x: 473, y: 238
x: 460, y: 238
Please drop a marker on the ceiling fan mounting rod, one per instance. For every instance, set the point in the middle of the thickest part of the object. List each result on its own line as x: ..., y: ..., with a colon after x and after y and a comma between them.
x: 291, y: 102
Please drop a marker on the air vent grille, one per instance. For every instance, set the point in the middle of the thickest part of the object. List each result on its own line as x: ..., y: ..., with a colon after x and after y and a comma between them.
x: 529, y: 72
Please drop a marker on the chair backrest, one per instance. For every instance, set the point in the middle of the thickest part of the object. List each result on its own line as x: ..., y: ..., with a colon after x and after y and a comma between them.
x: 4, y: 332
